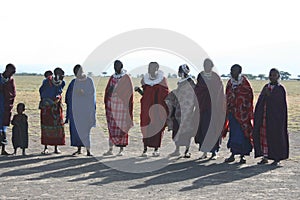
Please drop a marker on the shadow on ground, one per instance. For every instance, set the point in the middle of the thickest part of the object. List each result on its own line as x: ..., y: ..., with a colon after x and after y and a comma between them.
x: 79, y: 169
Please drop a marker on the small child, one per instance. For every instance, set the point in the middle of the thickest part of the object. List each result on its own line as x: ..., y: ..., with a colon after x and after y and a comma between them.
x: 48, y: 74
x: 20, y: 129
x: 48, y: 78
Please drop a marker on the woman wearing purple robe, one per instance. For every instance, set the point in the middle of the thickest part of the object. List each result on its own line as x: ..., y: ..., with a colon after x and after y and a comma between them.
x: 270, y: 134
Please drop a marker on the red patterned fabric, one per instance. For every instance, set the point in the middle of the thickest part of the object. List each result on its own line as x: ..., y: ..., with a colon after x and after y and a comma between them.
x: 52, y: 124
x: 263, y: 135
x: 239, y: 102
x: 119, y: 108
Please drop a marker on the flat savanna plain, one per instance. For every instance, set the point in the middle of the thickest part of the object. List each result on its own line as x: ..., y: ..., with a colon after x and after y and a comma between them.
x: 64, y: 176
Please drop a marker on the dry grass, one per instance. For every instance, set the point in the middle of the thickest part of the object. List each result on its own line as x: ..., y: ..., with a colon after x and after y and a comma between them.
x: 27, y: 92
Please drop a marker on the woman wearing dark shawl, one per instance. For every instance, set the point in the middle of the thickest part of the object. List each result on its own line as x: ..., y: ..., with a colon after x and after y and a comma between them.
x: 210, y: 97
x: 270, y: 134
x: 239, y: 114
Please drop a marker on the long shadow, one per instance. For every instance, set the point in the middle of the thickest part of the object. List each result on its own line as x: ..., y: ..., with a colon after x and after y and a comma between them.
x: 213, y: 174
x: 228, y: 176
x: 14, y: 161
x: 90, y: 165
x: 63, y: 163
x: 117, y: 176
x: 73, y: 167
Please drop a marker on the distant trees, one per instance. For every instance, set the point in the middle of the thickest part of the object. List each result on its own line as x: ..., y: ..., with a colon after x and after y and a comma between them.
x: 28, y: 74
x: 262, y: 76
x: 284, y: 75
x: 172, y: 75
x: 225, y: 76
x: 250, y: 76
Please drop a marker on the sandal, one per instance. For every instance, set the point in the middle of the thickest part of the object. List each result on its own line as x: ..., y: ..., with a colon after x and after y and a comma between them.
x: 187, y: 155
x: 45, y: 151
x: 204, y: 156
x: 263, y: 161
x: 275, y: 163
x: 213, y: 156
x: 230, y: 159
x: 89, y: 154
x: 57, y: 151
x: 242, y: 160
x: 75, y: 153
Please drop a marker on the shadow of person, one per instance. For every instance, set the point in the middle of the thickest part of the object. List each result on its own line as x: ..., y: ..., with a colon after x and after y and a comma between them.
x: 212, y: 174
x: 114, y: 175
x: 228, y: 176
x: 14, y: 161
x: 46, y: 165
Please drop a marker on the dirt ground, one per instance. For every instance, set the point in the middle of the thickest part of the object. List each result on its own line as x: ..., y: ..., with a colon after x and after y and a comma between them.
x: 63, y: 176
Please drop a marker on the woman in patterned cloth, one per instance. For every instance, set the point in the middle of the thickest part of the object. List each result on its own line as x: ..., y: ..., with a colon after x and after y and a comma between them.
x: 181, y: 105
x: 118, y: 101
x: 239, y: 113
x: 52, y: 123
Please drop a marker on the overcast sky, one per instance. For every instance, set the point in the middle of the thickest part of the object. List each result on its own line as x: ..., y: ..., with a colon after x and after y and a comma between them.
x: 39, y: 35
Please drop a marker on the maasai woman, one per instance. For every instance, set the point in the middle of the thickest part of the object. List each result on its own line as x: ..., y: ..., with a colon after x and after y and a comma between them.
x: 270, y: 134
x: 81, y: 110
x: 181, y: 106
x: 239, y: 113
x: 7, y: 97
x: 118, y: 101
x: 52, y: 124
x: 210, y: 97
x: 153, y: 107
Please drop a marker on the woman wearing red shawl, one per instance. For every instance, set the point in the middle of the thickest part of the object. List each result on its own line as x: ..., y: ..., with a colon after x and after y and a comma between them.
x: 239, y: 113
x: 153, y: 107
x: 52, y: 123
x: 118, y: 101
x: 7, y: 97
x: 270, y: 134
x: 210, y: 96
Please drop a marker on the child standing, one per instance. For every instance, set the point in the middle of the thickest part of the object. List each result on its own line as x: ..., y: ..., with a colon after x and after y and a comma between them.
x: 20, y: 129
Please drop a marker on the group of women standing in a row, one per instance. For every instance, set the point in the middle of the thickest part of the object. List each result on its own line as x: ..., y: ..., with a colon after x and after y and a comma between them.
x: 191, y: 110
x: 202, y: 111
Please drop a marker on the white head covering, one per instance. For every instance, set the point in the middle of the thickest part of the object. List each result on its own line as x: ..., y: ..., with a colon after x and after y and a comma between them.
x: 185, y: 68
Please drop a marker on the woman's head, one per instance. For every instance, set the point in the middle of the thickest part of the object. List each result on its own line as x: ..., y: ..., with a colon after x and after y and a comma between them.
x: 77, y: 70
x: 235, y: 71
x: 208, y: 65
x: 274, y: 75
x: 118, y: 66
x: 183, y: 70
x: 59, y: 73
x: 153, y: 68
x: 10, y: 70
